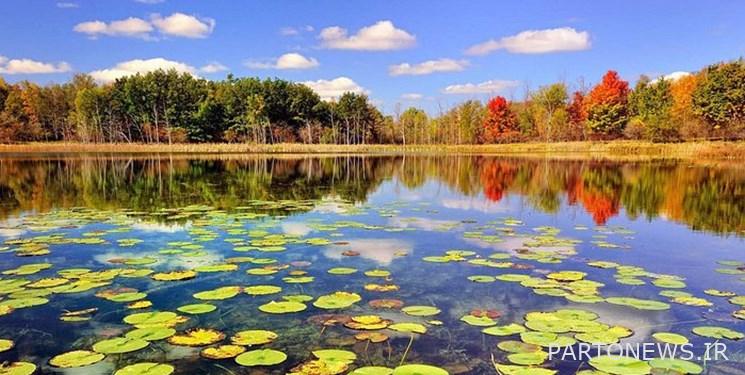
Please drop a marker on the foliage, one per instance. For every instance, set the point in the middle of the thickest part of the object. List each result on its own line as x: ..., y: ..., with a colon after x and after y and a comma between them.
x: 606, y: 106
x: 500, y: 123
x: 719, y: 96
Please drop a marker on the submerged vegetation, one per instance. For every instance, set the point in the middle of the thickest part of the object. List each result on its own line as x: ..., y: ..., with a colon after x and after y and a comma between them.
x: 314, y: 266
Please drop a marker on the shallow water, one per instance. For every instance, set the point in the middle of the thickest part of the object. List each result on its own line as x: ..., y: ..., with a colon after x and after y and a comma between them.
x: 365, y: 212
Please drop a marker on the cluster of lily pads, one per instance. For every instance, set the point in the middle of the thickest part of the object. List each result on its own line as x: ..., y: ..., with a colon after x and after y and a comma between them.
x: 257, y: 245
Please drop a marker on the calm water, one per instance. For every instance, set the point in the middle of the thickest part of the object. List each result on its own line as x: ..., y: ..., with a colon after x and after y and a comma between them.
x: 301, y: 216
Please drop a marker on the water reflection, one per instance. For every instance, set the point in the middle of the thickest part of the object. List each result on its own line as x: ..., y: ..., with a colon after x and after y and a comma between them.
x: 710, y: 198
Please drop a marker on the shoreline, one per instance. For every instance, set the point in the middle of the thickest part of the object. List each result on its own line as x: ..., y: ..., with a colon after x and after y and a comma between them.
x: 711, y: 150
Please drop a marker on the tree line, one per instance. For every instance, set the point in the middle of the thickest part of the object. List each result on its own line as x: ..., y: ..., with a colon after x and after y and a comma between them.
x: 171, y: 107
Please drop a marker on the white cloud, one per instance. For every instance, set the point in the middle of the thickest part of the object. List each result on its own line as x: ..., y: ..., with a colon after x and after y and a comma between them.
x: 428, y: 67
x: 674, y: 76
x: 150, y: 1
x: 381, y: 36
x: 177, y: 24
x: 331, y: 89
x: 536, y: 41
x: 28, y: 66
x: 412, y: 96
x: 184, y: 25
x: 130, y: 27
x: 290, y: 31
x: 286, y: 61
x: 487, y: 87
x: 213, y: 67
x: 66, y: 5
x: 131, y: 67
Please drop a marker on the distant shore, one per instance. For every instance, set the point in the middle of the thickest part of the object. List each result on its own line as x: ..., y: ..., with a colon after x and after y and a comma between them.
x: 608, y: 149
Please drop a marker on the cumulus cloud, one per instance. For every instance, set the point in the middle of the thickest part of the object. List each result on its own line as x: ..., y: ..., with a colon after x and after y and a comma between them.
x: 286, y: 61
x: 213, y: 67
x: 428, y: 67
x: 412, y: 96
x: 674, y: 76
x: 28, y: 66
x: 381, y: 36
x: 536, y: 41
x: 177, y: 24
x: 131, y: 67
x: 184, y: 25
x: 332, y: 89
x: 487, y: 87
x: 130, y: 27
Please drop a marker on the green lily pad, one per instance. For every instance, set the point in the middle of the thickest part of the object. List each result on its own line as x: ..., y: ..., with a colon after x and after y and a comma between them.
x: 420, y: 310
x: 522, y: 370
x: 478, y: 321
x: 17, y: 368
x: 119, y: 345
x: 531, y: 358
x: 262, y: 290
x: 620, y: 365
x: 641, y: 304
x: 674, y: 364
x: 150, y: 318
x: 342, y: 271
x: 372, y: 370
x: 670, y: 338
x: 416, y: 369
x: 718, y: 333
x: 408, y: 327
x: 146, y: 368
x: 512, y: 346
x: 337, y: 300
x: 282, y: 307
x: 76, y: 358
x: 197, y: 308
x: 261, y: 357
x: 150, y: 333
x: 221, y: 293
x: 335, y: 355
x: 507, y: 330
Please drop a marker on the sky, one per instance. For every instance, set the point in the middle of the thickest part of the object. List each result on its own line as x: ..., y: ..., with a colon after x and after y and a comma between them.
x: 431, y: 54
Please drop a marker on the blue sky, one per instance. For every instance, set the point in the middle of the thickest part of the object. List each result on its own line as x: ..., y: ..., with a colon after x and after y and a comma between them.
x: 444, y: 43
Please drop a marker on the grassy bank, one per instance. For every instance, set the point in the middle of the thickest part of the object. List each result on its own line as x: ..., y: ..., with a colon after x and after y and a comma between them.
x: 610, y: 149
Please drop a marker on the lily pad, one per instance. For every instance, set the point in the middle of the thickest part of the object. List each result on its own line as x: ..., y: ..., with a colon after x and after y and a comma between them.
x: 372, y: 370
x: 253, y: 337
x: 420, y: 310
x: 641, y: 304
x: 222, y: 351
x: 261, y: 357
x: 670, y: 338
x: 262, y: 290
x: 408, y: 327
x: 197, y: 337
x: 221, y: 293
x: 17, y: 368
x: 337, y: 300
x: 620, y: 365
x: 718, y: 333
x: 151, y: 333
x: 282, y: 307
x: 146, y: 368
x: 674, y: 364
x: 119, y: 345
x: 76, y: 358
x: 416, y: 369
x: 198, y: 308
x: 507, y: 330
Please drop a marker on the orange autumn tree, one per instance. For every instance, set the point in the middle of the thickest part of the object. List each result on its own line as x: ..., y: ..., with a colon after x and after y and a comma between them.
x: 606, y: 106
x: 500, y: 123
x: 577, y: 115
x: 681, y: 111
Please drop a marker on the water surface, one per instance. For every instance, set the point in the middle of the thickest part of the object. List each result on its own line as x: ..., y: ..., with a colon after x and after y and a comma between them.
x: 676, y: 220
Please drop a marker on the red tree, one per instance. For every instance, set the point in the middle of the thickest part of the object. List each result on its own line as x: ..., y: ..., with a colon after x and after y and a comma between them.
x: 605, y: 105
x: 611, y: 90
x: 500, y: 123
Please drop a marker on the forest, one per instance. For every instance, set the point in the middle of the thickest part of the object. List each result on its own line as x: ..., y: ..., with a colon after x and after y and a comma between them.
x: 171, y: 107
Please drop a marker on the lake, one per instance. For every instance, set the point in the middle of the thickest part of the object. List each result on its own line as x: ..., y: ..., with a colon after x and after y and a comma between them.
x: 262, y: 264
